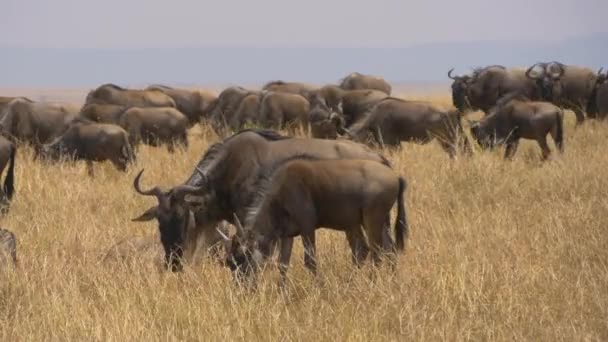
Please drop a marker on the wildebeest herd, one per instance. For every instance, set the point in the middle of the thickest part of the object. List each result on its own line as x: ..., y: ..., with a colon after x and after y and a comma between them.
x: 274, y: 187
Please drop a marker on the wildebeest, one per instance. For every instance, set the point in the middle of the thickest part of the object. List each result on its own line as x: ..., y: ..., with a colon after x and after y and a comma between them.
x: 247, y: 112
x: 102, y: 113
x: 299, y: 88
x: 155, y: 125
x: 302, y: 195
x: 8, y: 248
x: 224, y: 183
x: 393, y: 120
x: 7, y: 157
x: 222, y: 109
x: 567, y: 86
x: 325, y: 123
x: 351, y: 103
x: 515, y: 118
x: 113, y: 94
x: 192, y: 103
x: 284, y: 110
x: 601, y: 96
x: 32, y: 122
x: 4, y: 101
x: 91, y: 142
x: 357, y: 80
x: 485, y: 86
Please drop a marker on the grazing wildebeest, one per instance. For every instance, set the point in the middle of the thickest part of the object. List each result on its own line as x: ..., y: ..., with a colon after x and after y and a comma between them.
x: 304, y: 194
x: 325, y: 123
x: 90, y: 141
x: 155, y: 125
x: 32, y: 122
x: 567, y: 86
x: 224, y: 183
x: 302, y: 89
x: 601, y: 95
x: 394, y: 120
x: 113, y: 94
x: 247, y: 112
x: 8, y: 248
x: 7, y: 157
x: 356, y: 81
x: 102, y: 113
x: 485, y: 86
x: 280, y: 110
x: 222, y: 109
x: 515, y: 118
x: 192, y: 103
x: 351, y: 103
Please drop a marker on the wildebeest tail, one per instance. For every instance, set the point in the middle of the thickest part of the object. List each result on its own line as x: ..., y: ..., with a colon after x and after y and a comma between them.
x: 401, y: 227
x: 9, y: 181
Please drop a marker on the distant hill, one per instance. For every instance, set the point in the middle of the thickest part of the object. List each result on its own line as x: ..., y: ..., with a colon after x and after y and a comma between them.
x: 44, y: 67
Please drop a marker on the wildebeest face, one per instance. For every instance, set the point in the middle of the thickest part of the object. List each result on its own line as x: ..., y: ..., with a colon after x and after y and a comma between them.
x: 484, y: 137
x: 460, y: 91
x: 174, y: 219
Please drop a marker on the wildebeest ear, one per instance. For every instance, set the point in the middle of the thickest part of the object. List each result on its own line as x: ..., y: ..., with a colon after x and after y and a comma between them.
x: 148, y: 215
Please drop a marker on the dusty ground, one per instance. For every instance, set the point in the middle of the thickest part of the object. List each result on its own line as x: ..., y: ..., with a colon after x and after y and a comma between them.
x: 498, y: 251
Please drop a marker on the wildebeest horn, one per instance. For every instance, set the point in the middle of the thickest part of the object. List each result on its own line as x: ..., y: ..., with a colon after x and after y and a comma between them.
x: 528, y: 72
x: 182, y: 190
x: 560, y: 69
x: 155, y: 191
x: 238, y: 224
x: 224, y: 236
x: 200, y: 171
x: 599, y: 72
x: 450, y: 74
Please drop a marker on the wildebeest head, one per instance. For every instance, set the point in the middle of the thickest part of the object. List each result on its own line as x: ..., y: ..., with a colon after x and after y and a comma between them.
x: 244, y: 257
x: 460, y: 91
x: 325, y: 123
x: 174, y: 216
x: 547, y: 76
x: 484, y: 132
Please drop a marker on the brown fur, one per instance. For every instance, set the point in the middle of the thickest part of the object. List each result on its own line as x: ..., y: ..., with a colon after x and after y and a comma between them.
x: 7, y: 157
x: 303, y: 195
x: 222, y: 110
x: 514, y: 119
x: 113, y: 94
x: 284, y: 110
x: 302, y: 89
x: 102, y: 113
x: 192, y: 103
x: 602, y: 101
x: 357, y: 81
x: 247, y: 113
x: 154, y: 126
x: 394, y: 120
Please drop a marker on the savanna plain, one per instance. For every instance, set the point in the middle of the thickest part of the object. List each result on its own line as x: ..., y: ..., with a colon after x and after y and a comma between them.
x: 497, y: 251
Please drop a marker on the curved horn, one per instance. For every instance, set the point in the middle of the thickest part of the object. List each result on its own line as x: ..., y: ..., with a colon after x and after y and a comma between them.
x: 155, y: 191
x: 450, y: 74
x: 181, y: 191
x: 528, y: 72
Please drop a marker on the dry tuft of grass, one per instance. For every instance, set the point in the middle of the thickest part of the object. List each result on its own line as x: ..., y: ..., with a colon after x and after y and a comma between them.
x: 498, y: 251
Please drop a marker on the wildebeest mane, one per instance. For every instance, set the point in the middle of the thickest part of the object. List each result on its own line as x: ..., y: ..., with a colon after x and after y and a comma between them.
x: 111, y: 85
x: 276, y: 82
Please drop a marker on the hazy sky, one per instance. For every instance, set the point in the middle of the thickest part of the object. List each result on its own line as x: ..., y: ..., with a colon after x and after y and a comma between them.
x: 188, y: 23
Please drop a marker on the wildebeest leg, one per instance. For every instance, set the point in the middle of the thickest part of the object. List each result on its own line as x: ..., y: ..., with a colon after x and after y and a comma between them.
x: 90, y: 170
x: 284, y: 257
x: 512, y: 144
x: 357, y: 244
x: 310, y: 260
x: 374, y: 224
x: 580, y: 116
x: 542, y: 142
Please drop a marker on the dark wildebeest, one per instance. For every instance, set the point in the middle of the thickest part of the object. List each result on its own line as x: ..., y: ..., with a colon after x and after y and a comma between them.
x: 7, y: 157
x: 247, y: 112
x: 113, y: 94
x: 32, y: 122
x: 353, y: 104
x: 4, y: 101
x: 284, y: 110
x: 515, y: 118
x: 155, y: 125
x: 90, y: 141
x: 395, y: 120
x: 357, y: 81
x: 192, y: 103
x: 102, y: 113
x: 304, y: 194
x: 8, y: 248
x: 302, y: 89
x: 601, y: 95
x: 567, y: 86
x: 222, y: 110
x: 325, y: 123
x: 224, y: 183
x: 485, y: 86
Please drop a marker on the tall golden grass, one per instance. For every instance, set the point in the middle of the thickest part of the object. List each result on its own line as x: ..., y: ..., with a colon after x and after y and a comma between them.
x: 498, y: 251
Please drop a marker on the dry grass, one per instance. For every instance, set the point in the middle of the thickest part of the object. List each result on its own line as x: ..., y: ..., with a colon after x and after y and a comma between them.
x: 498, y: 251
